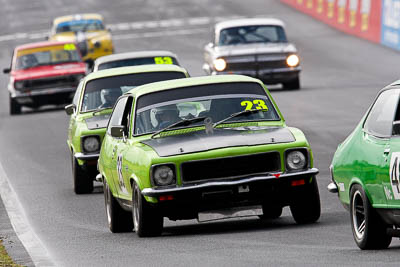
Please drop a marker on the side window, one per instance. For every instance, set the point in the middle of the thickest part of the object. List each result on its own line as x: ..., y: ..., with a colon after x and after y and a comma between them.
x: 117, y: 115
x: 78, y: 91
x: 126, y: 118
x: 380, y: 119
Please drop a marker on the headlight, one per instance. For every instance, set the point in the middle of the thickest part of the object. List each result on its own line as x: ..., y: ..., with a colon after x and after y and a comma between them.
x: 91, y: 144
x: 163, y: 175
x: 19, y: 85
x: 219, y: 64
x: 292, y: 60
x: 296, y: 160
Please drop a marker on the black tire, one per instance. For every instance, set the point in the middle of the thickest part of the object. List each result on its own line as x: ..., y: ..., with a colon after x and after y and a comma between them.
x: 118, y: 219
x: 369, y: 230
x: 293, y: 84
x: 271, y: 212
x: 306, y: 205
x: 147, y: 220
x: 15, y: 108
x: 83, y: 183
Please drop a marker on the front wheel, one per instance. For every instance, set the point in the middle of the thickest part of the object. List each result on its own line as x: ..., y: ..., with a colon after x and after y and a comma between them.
x: 83, y: 184
x: 15, y: 108
x: 118, y: 219
x: 293, y: 84
x: 147, y: 220
x: 369, y: 231
x: 306, y: 205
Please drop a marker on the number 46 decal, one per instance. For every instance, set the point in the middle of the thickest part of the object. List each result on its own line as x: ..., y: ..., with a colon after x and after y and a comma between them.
x: 394, y: 174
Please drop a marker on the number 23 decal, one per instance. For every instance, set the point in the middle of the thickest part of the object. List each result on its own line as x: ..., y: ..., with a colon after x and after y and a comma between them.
x: 258, y: 103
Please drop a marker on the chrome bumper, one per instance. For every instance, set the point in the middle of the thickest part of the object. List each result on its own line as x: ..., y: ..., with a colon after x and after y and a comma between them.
x: 332, y: 187
x: 153, y: 192
x: 86, y: 156
x: 39, y: 92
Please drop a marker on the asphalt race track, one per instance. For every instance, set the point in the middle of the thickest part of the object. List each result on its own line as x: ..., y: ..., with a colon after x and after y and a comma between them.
x: 341, y: 76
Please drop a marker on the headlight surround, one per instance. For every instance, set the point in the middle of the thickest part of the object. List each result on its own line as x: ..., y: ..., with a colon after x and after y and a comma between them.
x: 220, y: 64
x: 292, y: 60
x: 296, y: 160
x: 163, y: 175
x: 91, y: 144
x: 19, y: 85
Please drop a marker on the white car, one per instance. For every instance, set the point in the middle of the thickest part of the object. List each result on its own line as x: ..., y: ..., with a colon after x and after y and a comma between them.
x: 255, y: 47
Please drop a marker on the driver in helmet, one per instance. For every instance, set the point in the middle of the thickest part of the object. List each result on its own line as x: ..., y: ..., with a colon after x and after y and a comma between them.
x: 109, y: 96
x: 166, y: 116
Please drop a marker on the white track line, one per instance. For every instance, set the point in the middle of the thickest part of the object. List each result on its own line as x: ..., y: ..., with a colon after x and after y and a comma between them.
x: 19, y: 222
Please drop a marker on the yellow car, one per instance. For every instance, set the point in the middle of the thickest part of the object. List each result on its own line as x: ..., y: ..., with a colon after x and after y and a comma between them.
x: 89, y: 33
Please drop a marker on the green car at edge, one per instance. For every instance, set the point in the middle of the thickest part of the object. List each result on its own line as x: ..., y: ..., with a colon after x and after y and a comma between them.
x: 184, y: 148
x: 90, y: 110
x: 365, y: 172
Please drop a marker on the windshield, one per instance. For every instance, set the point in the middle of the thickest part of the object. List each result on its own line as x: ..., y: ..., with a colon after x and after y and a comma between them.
x: 217, y: 101
x: 138, y: 61
x: 48, y: 55
x: 103, y: 92
x: 80, y: 25
x: 252, y: 34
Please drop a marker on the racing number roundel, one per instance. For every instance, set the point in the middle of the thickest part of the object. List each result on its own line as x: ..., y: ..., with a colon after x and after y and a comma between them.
x: 394, y: 174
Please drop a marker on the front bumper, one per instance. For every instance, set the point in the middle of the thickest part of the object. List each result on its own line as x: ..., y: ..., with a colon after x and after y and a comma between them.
x: 156, y: 192
x: 30, y: 97
x: 278, y: 75
x: 83, y: 156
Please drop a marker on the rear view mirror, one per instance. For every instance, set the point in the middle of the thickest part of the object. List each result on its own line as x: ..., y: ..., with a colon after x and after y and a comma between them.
x: 118, y: 131
x: 6, y: 70
x: 70, y: 109
x: 396, y: 128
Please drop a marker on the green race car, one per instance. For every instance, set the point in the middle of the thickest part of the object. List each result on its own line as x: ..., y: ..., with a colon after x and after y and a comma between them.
x: 90, y: 110
x: 202, y: 147
x: 365, y: 172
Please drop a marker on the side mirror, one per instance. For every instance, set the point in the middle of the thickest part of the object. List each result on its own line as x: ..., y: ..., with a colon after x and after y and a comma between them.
x: 396, y: 128
x: 70, y: 109
x: 118, y: 131
x: 6, y: 70
x: 210, y: 45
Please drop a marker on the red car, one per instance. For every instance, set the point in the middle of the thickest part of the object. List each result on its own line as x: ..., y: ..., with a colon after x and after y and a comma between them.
x: 44, y: 73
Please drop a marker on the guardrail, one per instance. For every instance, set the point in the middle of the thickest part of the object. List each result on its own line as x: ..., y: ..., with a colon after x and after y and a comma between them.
x: 374, y: 20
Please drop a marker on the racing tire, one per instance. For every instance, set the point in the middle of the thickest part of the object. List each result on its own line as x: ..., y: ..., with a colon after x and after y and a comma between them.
x: 306, y: 205
x: 293, y: 84
x: 369, y: 230
x: 83, y: 184
x: 147, y: 220
x: 118, y: 219
x: 15, y: 108
x: 271, y: 212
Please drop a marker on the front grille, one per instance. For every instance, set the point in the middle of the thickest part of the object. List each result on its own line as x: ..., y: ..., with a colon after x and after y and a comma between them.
x: 53, y: 82
x: 256, y: 62
x: 230, y: 167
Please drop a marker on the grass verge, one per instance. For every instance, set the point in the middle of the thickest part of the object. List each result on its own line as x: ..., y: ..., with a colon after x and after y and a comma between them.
x: 5, y: 260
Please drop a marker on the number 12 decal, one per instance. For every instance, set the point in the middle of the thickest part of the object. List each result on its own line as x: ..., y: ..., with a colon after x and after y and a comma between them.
x: 258, y: 103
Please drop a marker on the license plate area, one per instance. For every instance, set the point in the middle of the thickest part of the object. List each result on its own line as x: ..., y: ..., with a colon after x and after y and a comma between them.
x: 235, y: 212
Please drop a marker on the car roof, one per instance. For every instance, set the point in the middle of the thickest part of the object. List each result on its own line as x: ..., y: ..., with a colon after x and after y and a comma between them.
x: 247, y: 22
x: 194, y: 81
x: 41, y: 44
x: 133, y: 69
x: 136, y: 54
x: 59, y: 20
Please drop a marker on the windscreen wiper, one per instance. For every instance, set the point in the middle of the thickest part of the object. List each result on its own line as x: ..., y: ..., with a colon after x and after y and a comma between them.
x: 240, y: 113
x: 183, y: 122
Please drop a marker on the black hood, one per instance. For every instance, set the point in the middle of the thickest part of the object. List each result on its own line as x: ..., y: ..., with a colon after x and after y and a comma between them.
x: 221, y: 137
x: 97, y: 122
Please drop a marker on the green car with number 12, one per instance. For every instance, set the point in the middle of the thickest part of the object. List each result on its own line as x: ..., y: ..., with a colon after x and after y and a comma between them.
x: 90, y: 110
x: 365, y: 172
x: 199, y: 148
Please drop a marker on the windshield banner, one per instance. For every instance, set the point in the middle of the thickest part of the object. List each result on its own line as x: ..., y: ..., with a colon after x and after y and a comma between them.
x: 362, y: 18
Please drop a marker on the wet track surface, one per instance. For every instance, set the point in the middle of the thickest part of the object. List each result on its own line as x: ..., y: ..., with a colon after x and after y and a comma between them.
x: 341, y: 76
